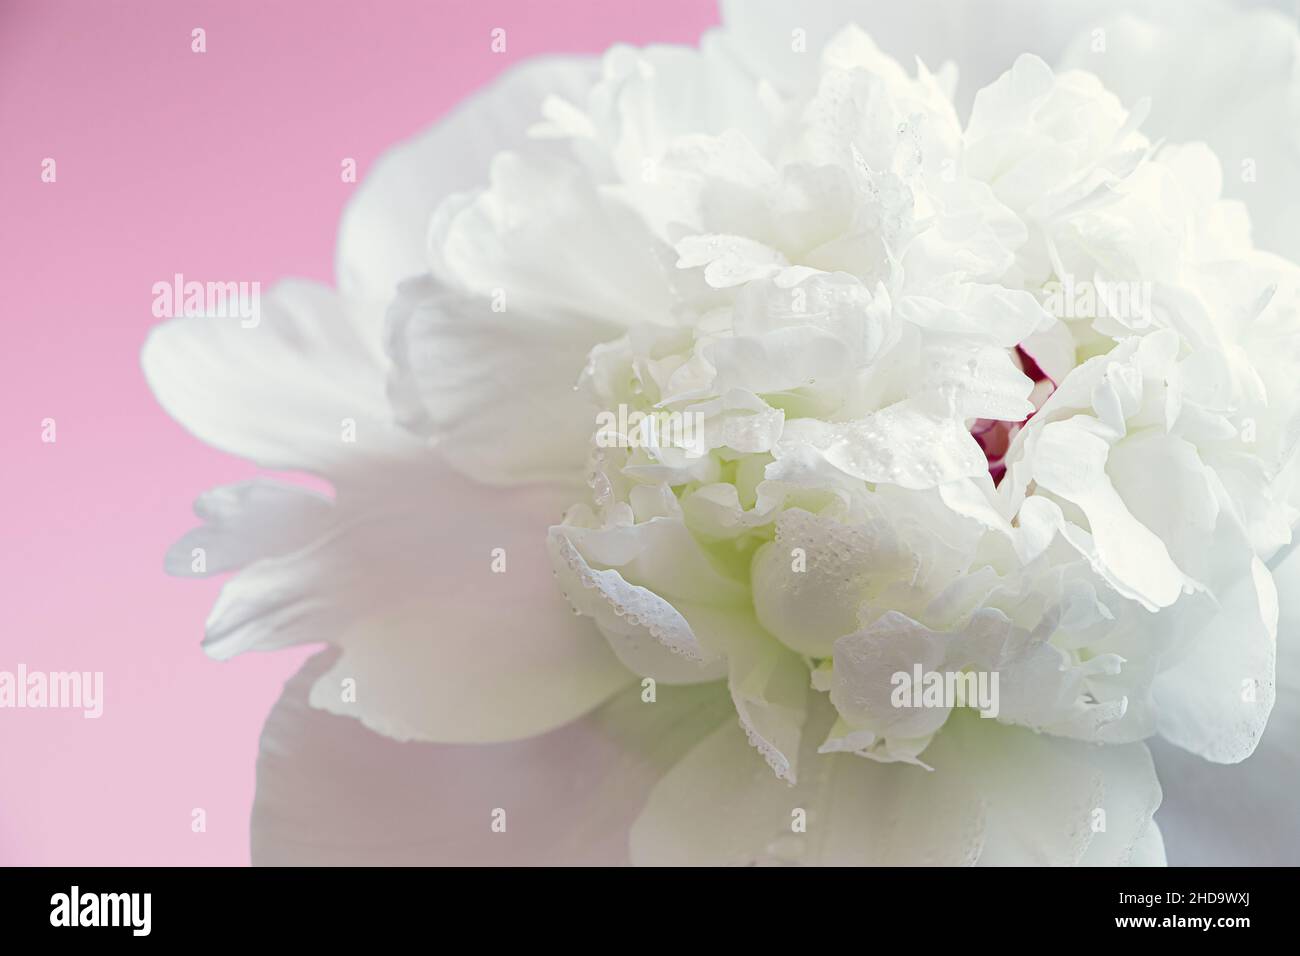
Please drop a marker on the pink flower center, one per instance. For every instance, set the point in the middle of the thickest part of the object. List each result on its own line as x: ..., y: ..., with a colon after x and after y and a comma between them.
x: 995, y: 436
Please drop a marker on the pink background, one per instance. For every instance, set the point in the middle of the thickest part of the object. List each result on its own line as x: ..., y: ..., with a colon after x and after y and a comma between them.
x: 223, y: 166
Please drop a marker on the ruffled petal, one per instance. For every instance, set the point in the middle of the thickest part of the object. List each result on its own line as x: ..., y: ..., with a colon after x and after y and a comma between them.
x: 546, y: 240
x: 650, y: 635
x: 981, y: 36
x: 1071, y: 463
x: 493, y: 388
x: 684, y: 622
x: 382, y: 236
x: 1239, y: 94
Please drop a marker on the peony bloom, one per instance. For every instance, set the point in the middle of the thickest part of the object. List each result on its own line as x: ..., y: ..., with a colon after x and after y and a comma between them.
x: 675, y: 404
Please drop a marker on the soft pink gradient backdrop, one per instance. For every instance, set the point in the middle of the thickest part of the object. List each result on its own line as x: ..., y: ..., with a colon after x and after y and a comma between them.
x: 221, y: 166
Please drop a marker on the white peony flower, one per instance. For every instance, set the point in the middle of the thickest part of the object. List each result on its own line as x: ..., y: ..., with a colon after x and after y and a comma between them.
x: 789, y: 381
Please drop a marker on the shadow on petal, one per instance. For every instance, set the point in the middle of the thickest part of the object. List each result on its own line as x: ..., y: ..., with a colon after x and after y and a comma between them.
x: 331, y: 793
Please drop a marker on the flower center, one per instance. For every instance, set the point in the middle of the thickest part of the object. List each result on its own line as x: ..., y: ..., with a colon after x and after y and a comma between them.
x: 995, y: 436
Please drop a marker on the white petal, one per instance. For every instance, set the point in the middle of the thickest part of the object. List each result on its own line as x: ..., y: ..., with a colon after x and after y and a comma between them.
x: 982, y: 36
x: 810, y: 581
x: 901, y: 444
x: 779, y: 360
x: 729, y: 260
x: 967, y: 382
x: 1215, y: 694
x: 550, y: 241
x: 650, y: 636
x: 1239, y: 94
x: 1002, y: 316
x: 1243, y: 814
x: 1070, y: 461
x: 670, y: 615
x: 484, y: 674
x: 1052, y: 801
x: 1149, y: 850
x: 769, y: 686
x: 1039, y: 686
x: 997, y: 796
x: 331, y: 793
x: 303, y: 389
x: 494, y: 389
x: 246, y: 521
x: 721, y: 806
x: 382, y: 236
x: 440, y: 646
x: 866, y: 661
